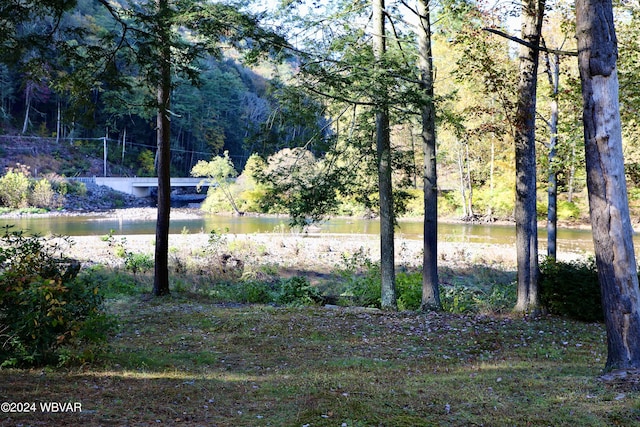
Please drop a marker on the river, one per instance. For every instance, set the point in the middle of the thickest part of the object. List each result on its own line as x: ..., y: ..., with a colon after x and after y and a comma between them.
x: 570, y: 240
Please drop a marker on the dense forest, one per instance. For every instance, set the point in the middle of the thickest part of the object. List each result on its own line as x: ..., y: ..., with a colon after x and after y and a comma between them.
x: 230, y: 108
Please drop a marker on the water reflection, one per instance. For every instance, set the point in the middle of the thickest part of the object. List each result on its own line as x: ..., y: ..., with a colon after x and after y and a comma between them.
x: 568, y: 239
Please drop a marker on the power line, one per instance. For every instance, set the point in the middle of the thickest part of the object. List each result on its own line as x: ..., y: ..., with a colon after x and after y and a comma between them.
x: 101, y: 139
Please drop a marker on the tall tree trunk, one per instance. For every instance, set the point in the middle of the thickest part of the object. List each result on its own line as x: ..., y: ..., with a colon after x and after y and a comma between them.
x: 553, y: 70
x: 430, y: 291
x: 469, y: 183
x: 27, y: 108
x: 492, y: 185
x: 58, y: 121
x: 572, y: 173
x: 163, y: 134
x: 525, y: 126
x: 463, y: 186
x: 609, y: 208
x: 383, y: 146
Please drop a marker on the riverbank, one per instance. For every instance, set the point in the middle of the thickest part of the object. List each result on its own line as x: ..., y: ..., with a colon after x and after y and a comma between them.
x: 315, y: 249
x: 309, y: 252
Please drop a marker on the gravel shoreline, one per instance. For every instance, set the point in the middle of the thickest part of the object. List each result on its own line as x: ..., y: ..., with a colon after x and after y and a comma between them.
x: 309, y: 252
x: 301, y: 251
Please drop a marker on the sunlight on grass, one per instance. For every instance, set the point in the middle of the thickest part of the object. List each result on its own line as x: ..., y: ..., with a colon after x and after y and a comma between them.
x: 190, y: 361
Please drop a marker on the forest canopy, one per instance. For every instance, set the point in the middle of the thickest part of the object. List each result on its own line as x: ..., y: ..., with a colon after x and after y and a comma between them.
x: 64, y: 74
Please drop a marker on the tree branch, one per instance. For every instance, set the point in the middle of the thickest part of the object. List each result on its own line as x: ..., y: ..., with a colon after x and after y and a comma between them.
x: 529, y: 45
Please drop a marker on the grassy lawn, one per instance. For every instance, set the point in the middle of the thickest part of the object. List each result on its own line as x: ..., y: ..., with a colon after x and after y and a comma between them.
x: 185, y: 360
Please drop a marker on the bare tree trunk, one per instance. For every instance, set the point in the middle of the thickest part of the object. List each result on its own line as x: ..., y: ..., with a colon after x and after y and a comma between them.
x: 469, y: 184
x: 413, y: 157
x: 572, y: 174
x: 525, y: 122
x: 430, y: 291
x: 552, y: 211
x: 161, y: 271
x: 124, y: 144
x: 58, y: 122
x: 27, y: 108
x: 463, y: 186
x: 383, y: 146
x: 609, y: 207
x: 491, y: 181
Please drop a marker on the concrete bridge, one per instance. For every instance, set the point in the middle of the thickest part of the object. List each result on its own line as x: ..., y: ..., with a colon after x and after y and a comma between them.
x: 141, y: 187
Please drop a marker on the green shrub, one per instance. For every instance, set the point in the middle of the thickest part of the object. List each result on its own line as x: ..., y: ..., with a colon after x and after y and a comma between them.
x: 253, y: 292
x: 459, y: 298
x: 568, y: 210
x: 571, y: 289
x: 297, y: 291
x: 500, y: 200
x: 500, y: 298
x: 362, y: 280
x: 45, y: 306
x: 14, y: 189
x: 138, y: 262
x: 77, y: 188
x: 42, y: 195
x: 409, y: 290
x: 448, y: 203
x: 216, y: 201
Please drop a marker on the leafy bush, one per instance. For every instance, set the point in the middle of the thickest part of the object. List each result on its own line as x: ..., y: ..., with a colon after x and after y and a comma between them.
x: 501, y: 298
x: 568, y: 210
x: 42, y: 195
x: 253, y: 292
x: 500, y: 200
x: 138, y: 262
x: 362, y: 277
x: 571, y: 289
x: 409, y: 290
x: 77, y: 188
x: 297, y: 291
x: 14, y: 189
x: 45, y: 306
x: 458, y: 298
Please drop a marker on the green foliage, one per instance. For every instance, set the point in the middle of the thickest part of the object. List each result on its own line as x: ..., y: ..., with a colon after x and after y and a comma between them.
x: 362, y: 279
x: 113, y: 283
x: 218, y: 173
x: 14, y: 189
x: 252, y: 193
x: 499, y: 299
x: 571, y: 289
x: 414, y: 205
x: 300, y: 185
x: 409, y: 290
x: 45, y: 306
x: 448, y: 203
x: 138, y: 262
x: 458, y: 298
x: 42, y: 195
x: 133, y: 261
x: 500, y: 200
x: 297, y: 291
x: 216, y: 201
x: 568, y: 210
x: 76, y: 188
x: 252, y: 292
x: 146, y: 162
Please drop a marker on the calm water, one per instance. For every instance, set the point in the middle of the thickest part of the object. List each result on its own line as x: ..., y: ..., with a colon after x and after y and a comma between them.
x: 568, y: 239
